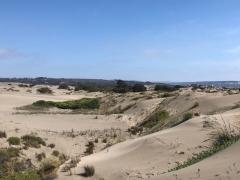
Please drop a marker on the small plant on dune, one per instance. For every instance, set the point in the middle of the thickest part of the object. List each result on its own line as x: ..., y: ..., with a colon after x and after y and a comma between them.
x: 33, y: 141
x: 40, y: 156
x: 14, y: 140
x: 187, y: 116
x: 55, y: 153
x: 89, y: 171
x: 90, y: 148
x: 196, y: 104
x: 48, y: 168
x: 104, y: 140
x: 3, y: 134
x: 52, y: 145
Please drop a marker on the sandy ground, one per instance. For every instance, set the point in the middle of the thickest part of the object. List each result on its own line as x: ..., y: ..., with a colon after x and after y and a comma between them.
x: 145, y: 157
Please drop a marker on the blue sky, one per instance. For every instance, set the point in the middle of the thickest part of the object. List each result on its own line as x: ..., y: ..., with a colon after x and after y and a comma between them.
x: 148, y: 40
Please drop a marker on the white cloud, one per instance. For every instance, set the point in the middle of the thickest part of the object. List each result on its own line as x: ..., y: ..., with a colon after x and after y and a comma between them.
x: 234, y: 50
x: 5, y: 53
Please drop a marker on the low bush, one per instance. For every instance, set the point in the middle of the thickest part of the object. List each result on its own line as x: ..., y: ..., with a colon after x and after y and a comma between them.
x: 196, y: 104
x: 14, y: 140
x: 33, y: 141
x: 187, y: 116
x: 90, y: 148
x: 89, y: 171
x: 52, y: 145
x: 40, y: 156
x: 44, y: 90
x: 63, y: 86
x: 48, y: 168
x: 3, y: 134
x: 55, y: 153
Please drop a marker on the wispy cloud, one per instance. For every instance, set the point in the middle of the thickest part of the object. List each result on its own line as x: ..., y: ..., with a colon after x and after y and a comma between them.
x: 6, y: 53
x: 234, y: 50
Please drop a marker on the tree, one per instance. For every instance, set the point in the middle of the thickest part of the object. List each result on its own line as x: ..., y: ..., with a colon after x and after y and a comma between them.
x: 121, y: 87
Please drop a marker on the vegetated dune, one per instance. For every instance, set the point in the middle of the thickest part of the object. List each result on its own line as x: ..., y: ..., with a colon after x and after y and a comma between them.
x: 124, y: 155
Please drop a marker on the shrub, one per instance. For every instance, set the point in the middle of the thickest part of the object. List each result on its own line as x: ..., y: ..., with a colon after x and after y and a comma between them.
x: 104, y: 140
x: 196, y: 104
x: 90, y: 148
x: 52, y: 145
x: 48, y: 168
x: 63, y: 86
x: 89, y: 171
x: 44, y: 90
x: 41, y: 156
x: 96, y: 140
x: 158, y: 117
x: 55, y: 153
x: 164, y: 87
x: 21, y: 176
x: 187, y: 116
x: 33, y: 141
x: 14, y: 141
x: 3, y: 134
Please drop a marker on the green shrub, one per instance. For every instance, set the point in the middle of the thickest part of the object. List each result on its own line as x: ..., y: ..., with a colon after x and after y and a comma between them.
x: 22, y: 176
x: 3, y: 134
x: 187, y: 116
x: 33, y: 141
x: 104, y: 140
x: 158, y: 117
x: 164, y: 87
x: 139, y: 88
x: 196, y: 104
x: 63, y: 86
x: 55, y: 153
x: 44, y: 90
x: 40, y: 156
x: 89, y: 171
x: 52, y: 145
x: 14, y: 141
x: 48, y: 168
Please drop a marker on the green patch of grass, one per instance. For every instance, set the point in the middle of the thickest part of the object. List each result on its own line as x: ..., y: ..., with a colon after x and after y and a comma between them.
x: 84, y: 103
x: 22, y: 176
x: 158, y: 117
x: 33, y: 141
x: 14, y: 140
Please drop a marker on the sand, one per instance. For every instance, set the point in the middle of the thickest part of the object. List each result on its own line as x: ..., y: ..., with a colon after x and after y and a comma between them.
x: 146, y: 157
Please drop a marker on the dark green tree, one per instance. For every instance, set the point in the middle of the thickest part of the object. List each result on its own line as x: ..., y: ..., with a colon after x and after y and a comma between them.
x: 139, y: 88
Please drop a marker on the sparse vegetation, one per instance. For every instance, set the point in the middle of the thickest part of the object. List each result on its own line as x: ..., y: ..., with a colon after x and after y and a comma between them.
x: 222, y: 138
x: 166, y: 88
x: 52, y: 145
x: 14, y: 140
x: 196, y: 104
x: 63, y: 86
x: 55, y: 153
x: 90, y: 148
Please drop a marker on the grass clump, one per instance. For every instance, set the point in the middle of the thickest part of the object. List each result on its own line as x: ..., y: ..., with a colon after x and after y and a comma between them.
x: 33, y: 141
x: 48, y: 168
x: 158, y: 117
x: 40, y: 156
x: 3, y: 134
x: 196, y: 104
x: 89, y: 171
x: 14, y: 140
